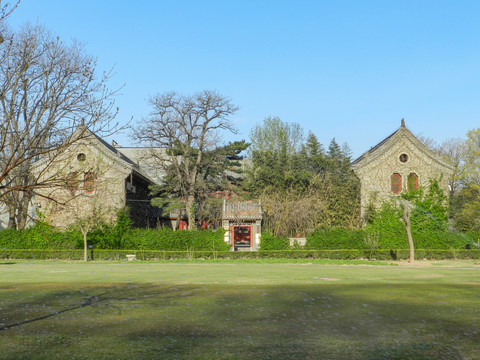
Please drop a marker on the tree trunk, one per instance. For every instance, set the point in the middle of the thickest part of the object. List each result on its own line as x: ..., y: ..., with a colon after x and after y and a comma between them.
x: 190, y: 212
x: 12, y: 222
x: 23, y: 208
x: 85, y: 245
x: 406, y: 218
x: 23, y: 202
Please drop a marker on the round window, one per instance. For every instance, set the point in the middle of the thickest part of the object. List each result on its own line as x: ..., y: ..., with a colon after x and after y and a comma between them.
x: 403, y: 158
x: 81, y: 157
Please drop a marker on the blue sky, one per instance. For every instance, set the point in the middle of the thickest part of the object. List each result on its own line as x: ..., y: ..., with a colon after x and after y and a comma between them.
x: 348, y: 70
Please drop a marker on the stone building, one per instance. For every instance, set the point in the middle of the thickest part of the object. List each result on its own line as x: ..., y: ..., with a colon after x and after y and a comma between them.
x: 94, y: 178
x: 399, y: 163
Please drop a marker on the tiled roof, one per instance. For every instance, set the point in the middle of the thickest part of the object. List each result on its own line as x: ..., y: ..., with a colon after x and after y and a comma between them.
x: 242, y: 211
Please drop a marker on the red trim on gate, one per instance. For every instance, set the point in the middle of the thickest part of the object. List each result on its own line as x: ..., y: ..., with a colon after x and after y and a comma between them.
x: 249, y: 227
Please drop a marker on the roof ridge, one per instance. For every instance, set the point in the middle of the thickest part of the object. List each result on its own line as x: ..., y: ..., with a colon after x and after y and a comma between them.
x: 404, y: 129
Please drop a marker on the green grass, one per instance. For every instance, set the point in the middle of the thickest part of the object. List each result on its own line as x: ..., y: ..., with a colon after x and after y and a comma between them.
x: 238, y: 310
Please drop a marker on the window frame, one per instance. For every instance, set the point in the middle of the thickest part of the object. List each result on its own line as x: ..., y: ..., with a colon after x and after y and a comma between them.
x: 396, y: 186
x: 403, y: 158
x: 411, y: 176
x: 89, y: 182
x: 72, y: 182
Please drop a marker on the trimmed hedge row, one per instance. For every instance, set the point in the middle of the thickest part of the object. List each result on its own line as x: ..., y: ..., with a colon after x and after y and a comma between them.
x: 340, y: 238
x: 169, y: 240
x: 348, y: 254
x: 41, y: 237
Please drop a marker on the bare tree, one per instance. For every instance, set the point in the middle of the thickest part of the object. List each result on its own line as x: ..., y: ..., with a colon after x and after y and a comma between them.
x: 47, y: 89
x: 453, y: 151
x: 6, y: 8
x: 372, y: 241
x: 407, y: 206
x: 89, y: 212
x: 187, y: 128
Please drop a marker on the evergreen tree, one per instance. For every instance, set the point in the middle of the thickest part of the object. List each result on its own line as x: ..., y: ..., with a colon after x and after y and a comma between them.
x: 287, y: 174
x: 314, y: 154
x: 218, y: 169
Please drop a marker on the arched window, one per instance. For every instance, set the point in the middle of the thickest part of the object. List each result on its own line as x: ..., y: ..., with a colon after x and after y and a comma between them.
x: 89, y: 182
x: 412, y: 182
x: 396, y: 183
x: 72, y: 183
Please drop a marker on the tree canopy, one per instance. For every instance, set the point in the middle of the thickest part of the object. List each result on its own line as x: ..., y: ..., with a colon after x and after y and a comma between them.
x: 47, y: 89
x: 302, y: 187
x: 194, y: 162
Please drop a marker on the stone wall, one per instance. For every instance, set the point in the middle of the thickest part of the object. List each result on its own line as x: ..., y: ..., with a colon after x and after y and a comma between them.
x: 401, y: 154
x: 74, y: 198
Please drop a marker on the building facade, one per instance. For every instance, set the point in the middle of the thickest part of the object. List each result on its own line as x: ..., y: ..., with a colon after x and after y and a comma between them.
x: 399, y: 163
x: 95, y: 179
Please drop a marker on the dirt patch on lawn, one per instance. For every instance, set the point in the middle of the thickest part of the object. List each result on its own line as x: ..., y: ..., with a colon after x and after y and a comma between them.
x: 326, y: 278
x: 429, y: 276
x: 414, y: 263
x: 440, y: 263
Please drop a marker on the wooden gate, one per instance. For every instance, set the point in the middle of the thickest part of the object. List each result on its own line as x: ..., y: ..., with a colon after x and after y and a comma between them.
x: 242, y: 236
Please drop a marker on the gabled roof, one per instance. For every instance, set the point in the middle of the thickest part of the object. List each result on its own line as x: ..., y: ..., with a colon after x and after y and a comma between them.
x: 147, y: 159
x: 242, y: 211
x: 117, y: 156
x: 114, y: 150
x: 376, y: 151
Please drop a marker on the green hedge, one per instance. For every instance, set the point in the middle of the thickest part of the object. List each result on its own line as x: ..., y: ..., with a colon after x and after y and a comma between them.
x: 37, y: 254
x: 169, y: 240
x: 346, y: 254
x: 337, y: 238
x: 389, y: 238
x: 39, y: 237
x: 43, y: 237
x: 271, y: 242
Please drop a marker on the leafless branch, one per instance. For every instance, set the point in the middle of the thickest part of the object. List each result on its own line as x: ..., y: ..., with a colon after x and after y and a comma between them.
x: 187, y: 127
x: 48, y: 91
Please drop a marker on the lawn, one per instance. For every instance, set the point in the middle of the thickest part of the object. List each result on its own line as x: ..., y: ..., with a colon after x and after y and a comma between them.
x: 238, y: 310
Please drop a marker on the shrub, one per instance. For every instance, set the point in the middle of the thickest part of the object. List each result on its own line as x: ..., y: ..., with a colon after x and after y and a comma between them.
x: 107, y: 236
x: 43, y: 237
x: 390, y: 229
x: 348, y: 254
x: 389, y: 237
x: 39, y: 236
x: 167, y: 239
x: 337, y: 238
x: 272, y: 242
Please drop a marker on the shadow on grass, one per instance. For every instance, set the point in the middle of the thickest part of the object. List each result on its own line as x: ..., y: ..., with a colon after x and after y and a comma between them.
x: 7, y: 263
x: 59, y: 299
x: 244, y: 322
x: 88, y: 302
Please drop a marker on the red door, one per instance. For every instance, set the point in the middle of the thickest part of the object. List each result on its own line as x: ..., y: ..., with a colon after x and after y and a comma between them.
x: 242, y: 236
